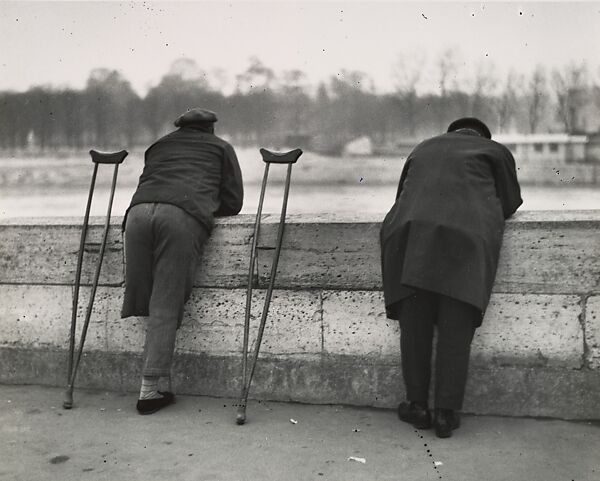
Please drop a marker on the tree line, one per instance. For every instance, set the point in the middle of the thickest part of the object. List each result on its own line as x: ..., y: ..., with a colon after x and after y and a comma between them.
x: 283, y: 109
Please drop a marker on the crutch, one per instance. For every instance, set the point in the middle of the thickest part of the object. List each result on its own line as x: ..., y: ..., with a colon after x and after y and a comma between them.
x: 97, y: 158
x: 268, y: 157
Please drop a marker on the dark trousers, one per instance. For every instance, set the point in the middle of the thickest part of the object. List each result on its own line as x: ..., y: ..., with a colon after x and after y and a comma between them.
x: 456, y: 323
x: 163, y: 245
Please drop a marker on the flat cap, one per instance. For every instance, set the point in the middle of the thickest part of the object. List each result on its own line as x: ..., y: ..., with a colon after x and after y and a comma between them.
x: 471, y: 123
x: 196, y: 116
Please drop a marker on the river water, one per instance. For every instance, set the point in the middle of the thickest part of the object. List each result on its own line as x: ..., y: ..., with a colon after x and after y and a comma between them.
x: 58, y: 186
x: 304, y: 199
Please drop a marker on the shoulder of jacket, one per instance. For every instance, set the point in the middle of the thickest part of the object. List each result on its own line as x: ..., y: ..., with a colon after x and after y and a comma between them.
x: 220, y: 140
x: 430, y: 141
x: 501, y: 148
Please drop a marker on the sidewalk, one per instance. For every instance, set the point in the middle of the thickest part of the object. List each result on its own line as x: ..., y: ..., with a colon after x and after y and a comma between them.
x: 103, y: 438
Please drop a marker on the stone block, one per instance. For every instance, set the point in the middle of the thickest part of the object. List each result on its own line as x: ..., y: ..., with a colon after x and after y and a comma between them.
x: 125, y: 335
x: 542, y: 254
x: 533, y: 391
x: 354, y: 323
x: 46, y: 253
x: 214, y: 322
x: 592, y: 332
x: 342, y: 255
x: 226, y: 255
x: 332, y: 379
x: 532, y: 330
x: 40, y: 316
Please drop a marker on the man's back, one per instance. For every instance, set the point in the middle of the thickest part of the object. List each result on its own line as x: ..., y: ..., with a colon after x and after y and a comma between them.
x: 193, y: 170
x: 450, y: 180
x: 444, y: 232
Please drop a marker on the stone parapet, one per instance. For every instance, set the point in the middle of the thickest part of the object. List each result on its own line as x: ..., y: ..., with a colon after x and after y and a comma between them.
x: 327, y: 338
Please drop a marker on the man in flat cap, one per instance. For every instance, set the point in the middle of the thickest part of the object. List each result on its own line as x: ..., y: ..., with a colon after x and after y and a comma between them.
x: 440, y: 244
x: 189, y: 177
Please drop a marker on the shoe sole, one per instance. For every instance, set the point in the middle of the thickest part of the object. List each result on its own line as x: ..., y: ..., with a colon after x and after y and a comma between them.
x: 145, y: 413
x: 152, y: 411
x: 422, y: 426
x: 425, y: 425
x: 446, y: 434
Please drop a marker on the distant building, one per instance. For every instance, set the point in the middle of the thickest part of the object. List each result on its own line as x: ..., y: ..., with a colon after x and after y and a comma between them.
x: 359, y: 146
x: 556, y: 148
x: 593, y: 148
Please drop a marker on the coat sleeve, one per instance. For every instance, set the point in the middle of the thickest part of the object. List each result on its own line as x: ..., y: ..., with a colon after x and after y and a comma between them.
x: 232, y: 188
x: 507, y: 185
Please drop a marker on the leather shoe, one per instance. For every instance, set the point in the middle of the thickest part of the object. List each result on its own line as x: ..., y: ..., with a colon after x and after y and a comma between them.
x: 416, y: 414
x: 150, y: 406
x: 445, y: 421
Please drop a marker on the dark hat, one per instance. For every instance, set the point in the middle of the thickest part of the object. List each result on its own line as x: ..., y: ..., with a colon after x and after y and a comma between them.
x: 196, y: 116
x: 470, y: 123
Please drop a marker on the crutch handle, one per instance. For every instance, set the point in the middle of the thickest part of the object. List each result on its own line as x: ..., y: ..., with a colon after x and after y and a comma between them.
x: 280, y: 157
x: 108, y: 158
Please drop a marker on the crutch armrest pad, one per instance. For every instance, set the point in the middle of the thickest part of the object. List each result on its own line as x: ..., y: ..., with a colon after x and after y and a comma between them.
x: 108, y: 158
x: 281, y: 157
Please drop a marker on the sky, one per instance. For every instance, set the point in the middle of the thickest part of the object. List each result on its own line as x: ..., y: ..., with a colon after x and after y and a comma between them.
x: 59, y: 43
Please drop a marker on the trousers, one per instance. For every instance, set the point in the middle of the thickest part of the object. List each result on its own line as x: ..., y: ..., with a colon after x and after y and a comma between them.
x: 456, y: 321
x: 163, y: 246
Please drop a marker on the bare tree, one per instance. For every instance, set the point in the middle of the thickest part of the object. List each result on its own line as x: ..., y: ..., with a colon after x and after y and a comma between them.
x: 506, y: 102
x: 257, y: 77
x: 407, y: 72
x: 294, y: 100
x: 255, y: 97
x: 536, y: 98
x: 484, y: 86
x: 108, y: 99
x: 595, y: 105
x: 350, y: 94
x: 447, y: 70
x: 570, y: 87
x: 447, y: 78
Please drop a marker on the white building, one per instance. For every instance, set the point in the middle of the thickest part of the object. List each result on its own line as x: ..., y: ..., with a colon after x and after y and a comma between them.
x: 359, y: 146
x: 561, y: 148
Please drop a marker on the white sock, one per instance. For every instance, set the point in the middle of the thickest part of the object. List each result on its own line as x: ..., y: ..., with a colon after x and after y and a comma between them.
x: 149, y: 389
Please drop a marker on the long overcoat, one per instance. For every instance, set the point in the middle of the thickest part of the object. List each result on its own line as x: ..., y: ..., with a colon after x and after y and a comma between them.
x: 444, y: 232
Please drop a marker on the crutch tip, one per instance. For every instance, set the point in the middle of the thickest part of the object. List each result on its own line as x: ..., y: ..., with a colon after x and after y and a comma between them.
x: 68, y: 402
x: 240, y: 418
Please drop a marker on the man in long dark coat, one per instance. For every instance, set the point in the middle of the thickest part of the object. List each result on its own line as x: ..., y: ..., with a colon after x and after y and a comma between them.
x: 189, y: 177
x: 440, y: 244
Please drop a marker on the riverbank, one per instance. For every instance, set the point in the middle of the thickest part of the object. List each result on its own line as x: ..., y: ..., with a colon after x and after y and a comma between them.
x: 74, y: 172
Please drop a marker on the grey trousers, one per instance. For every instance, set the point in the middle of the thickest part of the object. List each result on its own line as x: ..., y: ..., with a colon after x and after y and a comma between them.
x: 163, y: 245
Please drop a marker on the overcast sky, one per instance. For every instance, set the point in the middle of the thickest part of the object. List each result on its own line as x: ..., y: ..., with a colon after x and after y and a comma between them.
x: 59, y: 43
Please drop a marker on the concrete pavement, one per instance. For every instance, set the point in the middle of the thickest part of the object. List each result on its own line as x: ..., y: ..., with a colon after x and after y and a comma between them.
x: 103, y: 438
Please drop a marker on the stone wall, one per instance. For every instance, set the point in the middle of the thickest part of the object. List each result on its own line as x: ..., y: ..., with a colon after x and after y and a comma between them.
x: 327, y: 338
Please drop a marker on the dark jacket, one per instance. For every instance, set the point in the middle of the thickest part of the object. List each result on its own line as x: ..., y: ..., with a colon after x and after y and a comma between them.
x: 194, y: 170
x: 444, y: 232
